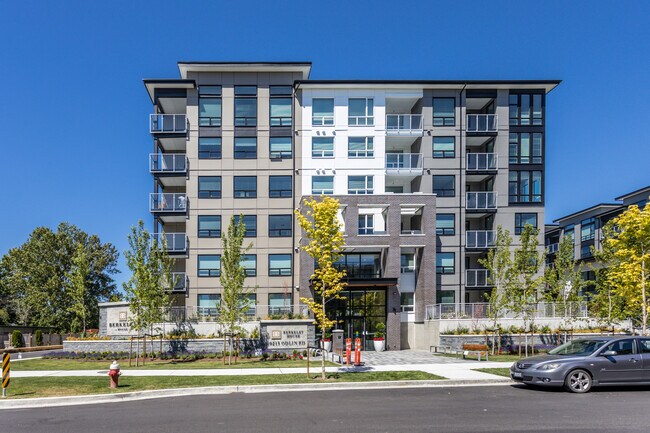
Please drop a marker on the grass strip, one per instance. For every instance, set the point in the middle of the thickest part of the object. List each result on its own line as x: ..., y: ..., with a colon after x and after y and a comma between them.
x: 505, y: 372
x: 472, y: 357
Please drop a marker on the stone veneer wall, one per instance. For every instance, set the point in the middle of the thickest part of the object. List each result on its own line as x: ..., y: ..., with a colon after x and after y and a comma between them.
x: 456, y: 341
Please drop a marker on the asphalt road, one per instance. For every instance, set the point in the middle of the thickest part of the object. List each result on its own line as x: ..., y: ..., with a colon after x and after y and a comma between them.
x: 461, y: 409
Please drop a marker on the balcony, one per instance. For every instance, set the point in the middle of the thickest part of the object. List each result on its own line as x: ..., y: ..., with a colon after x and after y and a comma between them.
x: 168, y: 202
x: 168, y: 163
x: 482, y: 123
x: 180, y: 282
x: 404, y: 164
x: 480, y: 239
x: 167, y: 123
x: 481, y: 201
x: 404, y: 124
x: 476, y: 278
x: 482, y: 162
x: 177, y: 243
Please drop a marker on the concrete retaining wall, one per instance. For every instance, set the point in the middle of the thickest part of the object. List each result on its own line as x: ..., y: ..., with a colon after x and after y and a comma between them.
x: 201, y: 345
x: 456, y: 341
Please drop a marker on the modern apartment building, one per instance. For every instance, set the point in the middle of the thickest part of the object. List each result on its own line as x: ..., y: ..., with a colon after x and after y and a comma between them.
x: 425, y: 171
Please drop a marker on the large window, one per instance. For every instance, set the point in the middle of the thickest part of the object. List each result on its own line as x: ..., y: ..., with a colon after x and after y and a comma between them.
x: 209, y: 186
x: 279, y: 303
x: 444, y: 147
x: 367, y: 265
x: 280, y: 147
x: 525, y: 187
x: 445, y: 263
x: 407, y: 263
x: 245, y: 187
x: 280, y: 108
x: 526, y: 109
x: 322, y: 147
x: 209, y: 226
x: 446, y: 297
x: 279, y: 265
x: 360, y: 184
x: 322, y: 111
x: 279, y: 186
x: 360, y: 147
x: 366, y: 224
x: 249, y: 263
x: 209, y: 105
x: 245, y: 147
x: 445, y: 224
x: 521, y: 219
x: 322, y: 185
x: 280, y: 226
x: 587, y: 229
x: 245, y: 106
x: 444, y: 186
x: 250, y: 222
x: 444, y: 112
x: 360, y: 112
x: 209, y: 265
x: 525, y: 148
x: 208, y: 305
x: 210, y: 148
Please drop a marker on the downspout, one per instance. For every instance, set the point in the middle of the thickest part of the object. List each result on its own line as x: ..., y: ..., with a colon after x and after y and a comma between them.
x: 462, y: 152
x: 294, y: 130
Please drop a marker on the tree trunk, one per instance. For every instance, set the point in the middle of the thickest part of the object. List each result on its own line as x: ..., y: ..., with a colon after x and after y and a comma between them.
x: 644, y: 307
x: 322, y: 357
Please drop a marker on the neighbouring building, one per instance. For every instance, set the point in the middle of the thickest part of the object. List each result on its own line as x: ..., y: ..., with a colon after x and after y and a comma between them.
x: 425, y: 171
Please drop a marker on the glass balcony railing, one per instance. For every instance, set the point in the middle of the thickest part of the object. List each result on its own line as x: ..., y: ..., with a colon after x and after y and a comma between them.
x: 404, y: 124
x: 168, y: 163
x: 179, y: 281
x: 481, y: 161
x: 480, y: 238
x: 482, y: 123
x: 404, y: 163
x: 476, y: 278
x: 483, y: 200
x: 168, y: 202
x: 167, y: 123
x: 176, y: 242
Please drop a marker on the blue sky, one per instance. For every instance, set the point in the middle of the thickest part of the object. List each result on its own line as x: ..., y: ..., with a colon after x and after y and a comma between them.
x: 74, y: 110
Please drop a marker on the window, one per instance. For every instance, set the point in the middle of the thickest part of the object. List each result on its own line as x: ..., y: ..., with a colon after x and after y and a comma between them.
x: 525, y: 148
x: 280, y: 226
x: 569, y: 231
x: 360, y: 184
x: 360, y: 112
x: 525, y: 187
x: 280, y: 148
x: 445, y: 263
x: 521, y: 219
x: 585, y: 251
x: 279, y: 265
x: 322, y: 185
x: 644, y: 345
x: 209, y: 265
x: 621, y: 347
x: 209, y: 226
x: 208, y: 305
x: 279, y: 303
x: 444, y: 186
x: 280, y: 108
x: 322, y: 147
x: 250, y: 299
x: 395, y: 189
x: 444, y: 112
x: 209, y: 186
x: 209, y: 105
x: 360, y: 147
x: 444, y: 147
x: 445, y: 224
x: 587, y: 229
x: 249, y: 263
x: 446, y: 297
x: 407, y: 263
x: 526, y: 109
x: 245, y: 147
x: 406, y: 301
x: 250, y: 221
x: 279, y: 186
x: 322, y: 112
x: 366, y: 224
x: 245, y: 106
x: 210, y: 148
x: 245, y: 187
x: 357, y: 265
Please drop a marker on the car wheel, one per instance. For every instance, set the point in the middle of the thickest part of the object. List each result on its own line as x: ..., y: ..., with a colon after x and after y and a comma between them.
x: 578, y: 381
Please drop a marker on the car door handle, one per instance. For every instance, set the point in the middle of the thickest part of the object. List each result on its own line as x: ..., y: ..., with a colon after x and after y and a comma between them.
x: 633, y: 360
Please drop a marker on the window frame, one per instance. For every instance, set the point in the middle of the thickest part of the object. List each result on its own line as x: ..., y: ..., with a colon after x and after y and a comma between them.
x: 368, y: 119
x: 443, y: 192
x: 280, y: 232
x: 324, y: 120
x: 209, y: 154
x: 322, y: 191
x: 515, y: 106
x: 366, y: 229
x: 530, y: 196
x: 368, y: 149
x: 216, y: 95
x: 444, y: 154
x: 247, y: 193
x: 249, y: 121
x: 445, y: 120
x: 280, y: 154
x: 446, y: 231
x: 283, y: 193
x: 280, y: 272
x: 515, y: 148
x: 207, y: 233
x: 284, y: 121
x: 369, y: 182
x: 324, y: 154
x: 442, y: 269
x: 209, y: 193
x: 211, y: 272
x: 244, y: 154
x: 250, y: 232
x: 249, y: 272
x: 520, y: 223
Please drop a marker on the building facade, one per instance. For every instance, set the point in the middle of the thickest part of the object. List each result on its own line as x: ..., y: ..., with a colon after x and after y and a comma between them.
x: 425, y: 171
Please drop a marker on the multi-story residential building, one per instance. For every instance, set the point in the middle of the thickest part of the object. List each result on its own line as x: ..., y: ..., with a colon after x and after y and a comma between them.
x: 425, y: 171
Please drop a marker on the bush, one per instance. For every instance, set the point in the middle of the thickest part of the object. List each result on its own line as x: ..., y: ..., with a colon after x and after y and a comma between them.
x: 17, y: 339
x: 38, y: 337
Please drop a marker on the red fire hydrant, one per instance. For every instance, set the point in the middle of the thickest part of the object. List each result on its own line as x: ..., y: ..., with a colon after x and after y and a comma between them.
x: 114, y: 374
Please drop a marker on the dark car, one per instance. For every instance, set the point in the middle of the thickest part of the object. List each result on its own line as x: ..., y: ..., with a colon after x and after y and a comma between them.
x: 581, y: 364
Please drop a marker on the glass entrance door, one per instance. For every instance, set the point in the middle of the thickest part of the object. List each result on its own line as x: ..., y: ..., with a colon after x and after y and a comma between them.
x: 358, y: 314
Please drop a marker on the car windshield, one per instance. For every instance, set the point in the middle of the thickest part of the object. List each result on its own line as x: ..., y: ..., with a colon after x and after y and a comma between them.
x: 578, y: 348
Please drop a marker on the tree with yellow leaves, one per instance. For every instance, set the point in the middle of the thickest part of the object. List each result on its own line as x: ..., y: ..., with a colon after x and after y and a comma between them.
x: 626, y: 255
x: 325, y: 243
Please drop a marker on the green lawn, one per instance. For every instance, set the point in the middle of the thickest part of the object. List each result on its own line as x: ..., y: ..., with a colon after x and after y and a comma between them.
x: 78, y: 364
x: 505, y: 372
x: 495, y: 358
x: 63, y: 386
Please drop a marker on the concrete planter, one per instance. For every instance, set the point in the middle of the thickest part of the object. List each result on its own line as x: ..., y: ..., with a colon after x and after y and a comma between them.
x: 379, y: 345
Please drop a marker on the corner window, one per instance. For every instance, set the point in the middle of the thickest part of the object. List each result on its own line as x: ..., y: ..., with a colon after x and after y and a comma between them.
x: 322, y: 112
x: 280, y: 105
x: 360, y: 112
x: 521, y: 219
x: 280, y: 148
x: 525, y: 187
x: 444, y: 112
x: 245, y: 106
x: 526, y: 109
x: 209, y: 265
x: 360, y: 147
x: 279, y: 265
x: 280, y: 226
x: 249, y: 263
x: 210, y: 148
x: 250, y: 222
x: 209, y: 186
x: 360, y: 184
x: 444, y: 147
x: 279, y: 186
x: 209, y: 226
x: 445, y: 263
x: 322, y: 185
x: 322, y: 147
x: 209, y: 105
x: 245, y: 148
x: 525, y: 148
x: 245, y: 187
x: 445, y: 224
x: 444, y: 186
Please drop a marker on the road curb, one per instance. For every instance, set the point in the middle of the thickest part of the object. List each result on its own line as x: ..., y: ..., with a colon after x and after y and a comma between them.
x: 30, y: 403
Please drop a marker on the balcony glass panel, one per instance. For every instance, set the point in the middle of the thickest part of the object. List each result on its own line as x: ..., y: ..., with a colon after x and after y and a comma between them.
x: 482, y: 123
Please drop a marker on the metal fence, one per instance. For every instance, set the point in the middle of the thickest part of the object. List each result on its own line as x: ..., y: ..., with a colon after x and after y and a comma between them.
x: 255, y: 312
x: 481, y: 310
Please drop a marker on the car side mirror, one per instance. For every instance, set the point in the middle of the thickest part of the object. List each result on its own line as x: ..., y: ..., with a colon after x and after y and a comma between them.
x: 609, y: 353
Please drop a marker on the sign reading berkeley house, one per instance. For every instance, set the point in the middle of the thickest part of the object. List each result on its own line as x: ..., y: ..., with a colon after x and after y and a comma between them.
x: 290, y: 334
x: 114, y: 319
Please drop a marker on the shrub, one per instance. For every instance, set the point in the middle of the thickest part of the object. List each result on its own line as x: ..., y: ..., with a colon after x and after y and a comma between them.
x: 17, y: 339
x: 38, y: 337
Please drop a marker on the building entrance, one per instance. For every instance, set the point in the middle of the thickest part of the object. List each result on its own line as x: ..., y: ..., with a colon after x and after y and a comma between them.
x: 359, y: 313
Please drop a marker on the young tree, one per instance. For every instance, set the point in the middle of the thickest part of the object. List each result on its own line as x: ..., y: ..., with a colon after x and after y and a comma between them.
x: 563, y: 280
x: 234, y: 302
x: 606, y: 303
x: 78, y: 279
x: 325, y: 244
x: 500, y: 274
x: 626, y: 255
x: 147, y: 291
